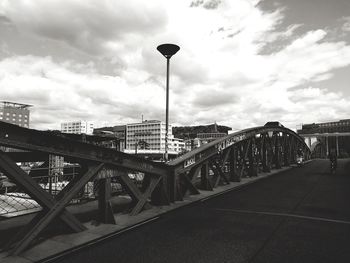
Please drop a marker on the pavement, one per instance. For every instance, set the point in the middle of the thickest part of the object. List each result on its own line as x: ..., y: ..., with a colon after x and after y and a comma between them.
x: 301, y: 215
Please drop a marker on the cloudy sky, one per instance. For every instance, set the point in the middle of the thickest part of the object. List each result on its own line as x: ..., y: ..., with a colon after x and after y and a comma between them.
x: 241, y: 63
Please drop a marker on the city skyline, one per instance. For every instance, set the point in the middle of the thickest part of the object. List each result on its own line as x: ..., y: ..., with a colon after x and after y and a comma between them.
x: 242, y: 63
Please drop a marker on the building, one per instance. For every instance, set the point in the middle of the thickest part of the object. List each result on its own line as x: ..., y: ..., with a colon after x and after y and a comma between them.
x: 15, y: 113
x: 177, y: 145
x: 202, y: 138
x: 192, y: 144
x: 211, y: 131
x: 326, y: 127
x: 77, y: 127
x: 148, y: 137
x: 117, y: 132
x: 210, y: 136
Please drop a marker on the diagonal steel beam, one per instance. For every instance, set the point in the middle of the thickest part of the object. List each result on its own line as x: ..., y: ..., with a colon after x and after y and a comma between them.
x: 205, y: 179
x: 130, y: 187
x: 137, y: 196
x: 145, y: 196
x: 29, y: 185
x: 187, y: 179
x: 55, y: 210
x: 264, y: 155
x: 215, y: 166
x: 227, y: 154
x: 245, y: 155
x: 233, y: 165
x: 252, y: 171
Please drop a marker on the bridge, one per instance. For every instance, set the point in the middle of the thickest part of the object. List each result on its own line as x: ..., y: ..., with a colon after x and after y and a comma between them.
x: 321, y: 138
x: 117, y: 191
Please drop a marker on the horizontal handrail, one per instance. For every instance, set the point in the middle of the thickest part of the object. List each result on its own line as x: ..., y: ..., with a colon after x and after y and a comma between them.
x: 57, y: 144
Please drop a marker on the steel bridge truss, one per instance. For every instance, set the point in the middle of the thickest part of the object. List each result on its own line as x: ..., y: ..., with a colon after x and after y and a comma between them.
x: 243, y: 154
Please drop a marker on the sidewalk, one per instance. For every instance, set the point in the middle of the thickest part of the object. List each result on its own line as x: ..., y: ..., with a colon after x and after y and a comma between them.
x: 61, y: 245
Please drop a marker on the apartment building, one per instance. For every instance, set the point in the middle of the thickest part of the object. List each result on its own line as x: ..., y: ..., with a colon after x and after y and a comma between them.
x: 77, y: 127
x: 152, y: 134
x: 15, y: 113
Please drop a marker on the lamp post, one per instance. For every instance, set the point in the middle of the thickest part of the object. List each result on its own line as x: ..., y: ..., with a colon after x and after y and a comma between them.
x: 167, y: 50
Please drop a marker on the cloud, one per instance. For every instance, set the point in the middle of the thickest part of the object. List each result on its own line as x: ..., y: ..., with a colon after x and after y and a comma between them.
x: 211, y: 4
x: 4, y: 20
x: 237, y: 65
x: 209, y: 98
x: 307, y: 59
x: 88, y: 25
x: 346, y: 25
x: 62, y: 94
x: 324, y: 104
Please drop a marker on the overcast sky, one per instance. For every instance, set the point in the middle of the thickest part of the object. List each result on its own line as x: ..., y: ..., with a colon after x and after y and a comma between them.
x: 241, y: 62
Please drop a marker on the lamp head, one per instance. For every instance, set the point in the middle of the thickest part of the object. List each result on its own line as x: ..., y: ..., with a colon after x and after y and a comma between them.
x: 168, y: 50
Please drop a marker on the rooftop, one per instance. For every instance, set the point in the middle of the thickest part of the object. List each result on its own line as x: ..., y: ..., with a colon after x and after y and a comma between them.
x: 9, y: 104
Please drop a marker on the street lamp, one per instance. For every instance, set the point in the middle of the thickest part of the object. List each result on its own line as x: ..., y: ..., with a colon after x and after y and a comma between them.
x: 167, y: 50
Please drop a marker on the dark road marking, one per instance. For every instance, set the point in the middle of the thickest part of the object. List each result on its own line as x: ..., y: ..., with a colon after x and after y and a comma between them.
x: 285, y: 215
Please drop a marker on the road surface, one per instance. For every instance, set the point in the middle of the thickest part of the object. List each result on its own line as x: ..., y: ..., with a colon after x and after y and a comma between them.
x: 300, y: 215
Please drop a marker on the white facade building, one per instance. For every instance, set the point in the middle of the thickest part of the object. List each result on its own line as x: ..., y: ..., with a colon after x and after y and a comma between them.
x: 77, y: 127
x: 192, y: 144
x: 153, y: 133
x: 177, y: 145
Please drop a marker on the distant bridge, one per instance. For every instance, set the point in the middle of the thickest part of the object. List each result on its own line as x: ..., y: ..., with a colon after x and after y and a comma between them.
x: 328, y: 136
x: 242, y: 154
x: 321, y: 144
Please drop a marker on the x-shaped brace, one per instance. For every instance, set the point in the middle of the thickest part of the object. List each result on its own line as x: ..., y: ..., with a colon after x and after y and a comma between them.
x: 216, y: 166
x: 245, y: 155
x: 51, y: 208
x: 140, y: 198
x: 187, y: 179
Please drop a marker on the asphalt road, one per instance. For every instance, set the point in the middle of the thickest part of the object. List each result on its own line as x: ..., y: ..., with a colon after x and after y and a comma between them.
x: 301, y: 215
